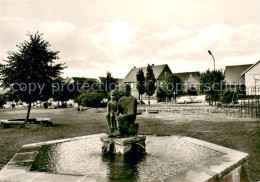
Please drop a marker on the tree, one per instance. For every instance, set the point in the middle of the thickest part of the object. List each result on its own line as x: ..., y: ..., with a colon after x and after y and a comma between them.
x: 140, y: 83
x: 108, y: 84
x: 174, y: 85
x: 62, y: 93
x: 118, y: 94
x: 161, y: 94
x: 212, y: 84
x: 192, y: 91
x: 150, y: 83
x: 31, y: 70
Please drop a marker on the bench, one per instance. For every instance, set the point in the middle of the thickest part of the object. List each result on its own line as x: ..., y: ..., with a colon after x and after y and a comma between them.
x: 44, y: 121
x: 153, y: 111
x: 8, y: 123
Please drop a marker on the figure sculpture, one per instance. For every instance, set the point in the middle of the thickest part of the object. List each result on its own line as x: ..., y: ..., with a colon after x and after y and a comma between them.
x: 127, y: 141
x: 111, y: 115
x: 126, y: 114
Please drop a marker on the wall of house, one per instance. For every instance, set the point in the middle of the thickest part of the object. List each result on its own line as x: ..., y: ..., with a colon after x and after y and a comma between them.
x: 163, y: 77
x: 250, y: 82
x: 192, y: 82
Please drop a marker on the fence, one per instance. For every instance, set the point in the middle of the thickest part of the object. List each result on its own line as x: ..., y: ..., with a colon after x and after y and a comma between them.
x: 246, y: 108
x: 177, y: 110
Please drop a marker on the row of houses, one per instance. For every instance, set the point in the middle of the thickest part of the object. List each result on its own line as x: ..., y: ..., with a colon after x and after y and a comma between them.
x: 246, y: 78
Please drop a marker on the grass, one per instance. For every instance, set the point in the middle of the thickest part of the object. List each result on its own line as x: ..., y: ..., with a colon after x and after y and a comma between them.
x: 229, y: 132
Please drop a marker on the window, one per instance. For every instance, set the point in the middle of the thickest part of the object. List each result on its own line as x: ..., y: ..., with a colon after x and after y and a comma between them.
x: 255, y: 77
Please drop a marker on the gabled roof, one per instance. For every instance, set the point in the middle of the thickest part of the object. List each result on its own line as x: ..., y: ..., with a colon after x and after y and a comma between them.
x: 233, y: 73
x: 250, y: 68
x: 185, y: 75
x: 131, y: 76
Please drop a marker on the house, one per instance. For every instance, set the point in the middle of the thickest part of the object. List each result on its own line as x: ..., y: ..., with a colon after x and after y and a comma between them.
x: 82, y: 80
x: 252, y: 79
x: 233, y: 78
x: 161, y: 74
x: 189, y: 80
x: 101, y: 79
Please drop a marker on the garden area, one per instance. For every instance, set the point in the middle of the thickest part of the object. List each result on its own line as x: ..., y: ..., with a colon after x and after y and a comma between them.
x: 235, y: 133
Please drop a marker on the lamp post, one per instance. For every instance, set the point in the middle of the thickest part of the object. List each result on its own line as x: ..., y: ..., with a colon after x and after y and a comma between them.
x: 212, y: 57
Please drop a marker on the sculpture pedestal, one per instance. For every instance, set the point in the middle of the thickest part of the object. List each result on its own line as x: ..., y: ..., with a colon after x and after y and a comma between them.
x: 123, y: 146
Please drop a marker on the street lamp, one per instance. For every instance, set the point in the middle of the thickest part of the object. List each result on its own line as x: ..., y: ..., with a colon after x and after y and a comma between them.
x: 212, y: 57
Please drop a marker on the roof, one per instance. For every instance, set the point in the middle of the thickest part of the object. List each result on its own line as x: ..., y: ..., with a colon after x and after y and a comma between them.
x: 185, y: 75
x: 131, y: 76
x: 78, y: 79
x: 102, y: 78
x: 250, y: 68
x: 233, y: 73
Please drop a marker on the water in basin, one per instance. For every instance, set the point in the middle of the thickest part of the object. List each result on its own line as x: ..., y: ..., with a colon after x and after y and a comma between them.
x: 165, y: 157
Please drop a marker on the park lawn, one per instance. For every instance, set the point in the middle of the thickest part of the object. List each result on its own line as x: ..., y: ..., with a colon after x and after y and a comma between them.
x: 229, y: 132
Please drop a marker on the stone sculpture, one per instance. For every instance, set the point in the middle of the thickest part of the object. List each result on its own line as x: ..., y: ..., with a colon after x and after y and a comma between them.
x: 111, y: 115
x: 121, y: 116
x: 126, y: 140
x: 126, y: 114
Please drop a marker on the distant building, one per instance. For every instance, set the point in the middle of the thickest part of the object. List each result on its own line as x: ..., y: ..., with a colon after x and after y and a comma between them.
x: 82, y: 80
x: 233, y: 77
x: 101, y: 79
x: 252, y: 79
x: 161, y: 74
x: 189, y: 80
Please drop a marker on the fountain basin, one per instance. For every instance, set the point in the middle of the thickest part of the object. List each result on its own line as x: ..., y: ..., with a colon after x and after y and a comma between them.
x: 169, y: 158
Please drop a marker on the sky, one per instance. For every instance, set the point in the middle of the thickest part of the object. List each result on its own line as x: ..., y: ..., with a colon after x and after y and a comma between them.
x: 97, y: 36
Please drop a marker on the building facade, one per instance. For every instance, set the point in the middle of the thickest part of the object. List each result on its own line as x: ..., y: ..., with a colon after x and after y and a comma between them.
x: 252, y: 79
x: 189, y: 80
x: 233, y: 79
x: 161, y: 74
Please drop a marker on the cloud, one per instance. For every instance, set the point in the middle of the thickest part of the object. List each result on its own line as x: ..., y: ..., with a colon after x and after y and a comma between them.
x: 113, y: 38
x: 173, y: 33
x: 118, y: 46
x: 217, y: 37
x: 204, y: 39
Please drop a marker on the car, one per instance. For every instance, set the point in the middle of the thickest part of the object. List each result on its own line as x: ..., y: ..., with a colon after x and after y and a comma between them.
x: 184, y: 100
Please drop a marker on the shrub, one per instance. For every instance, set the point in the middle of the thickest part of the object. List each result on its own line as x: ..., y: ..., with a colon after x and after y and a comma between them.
x: 228, y: 96
x: 118, y: 94
x: 2, y: 100
x: 192, y: 91
x: 92, y: 99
